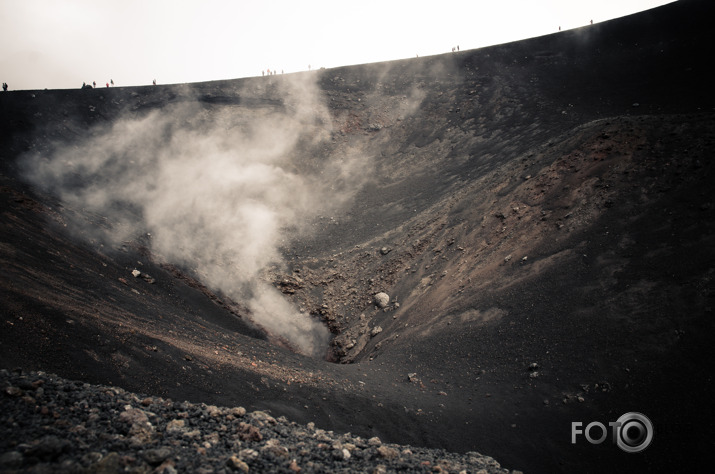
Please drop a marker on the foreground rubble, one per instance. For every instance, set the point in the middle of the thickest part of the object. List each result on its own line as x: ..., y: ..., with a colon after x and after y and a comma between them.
x: 55, y: 425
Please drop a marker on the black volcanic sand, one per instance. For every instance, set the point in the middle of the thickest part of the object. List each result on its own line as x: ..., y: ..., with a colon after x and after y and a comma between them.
x: 542, y: 211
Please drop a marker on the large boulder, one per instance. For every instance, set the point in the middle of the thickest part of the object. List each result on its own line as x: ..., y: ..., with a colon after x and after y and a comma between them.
x: 382, y: 299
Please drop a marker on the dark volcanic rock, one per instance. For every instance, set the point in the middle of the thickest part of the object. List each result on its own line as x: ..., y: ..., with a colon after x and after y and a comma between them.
x: 512, y: 199
x: 78, y: 439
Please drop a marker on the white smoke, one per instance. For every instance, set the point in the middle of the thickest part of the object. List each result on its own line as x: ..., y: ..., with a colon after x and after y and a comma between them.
x: 217, y: 188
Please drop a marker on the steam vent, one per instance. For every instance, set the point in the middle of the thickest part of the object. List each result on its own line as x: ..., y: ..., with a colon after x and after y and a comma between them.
x: 439, y: 264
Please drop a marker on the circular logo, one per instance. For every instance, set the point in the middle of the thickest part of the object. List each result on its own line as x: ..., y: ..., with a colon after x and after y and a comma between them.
x: 634, y: 433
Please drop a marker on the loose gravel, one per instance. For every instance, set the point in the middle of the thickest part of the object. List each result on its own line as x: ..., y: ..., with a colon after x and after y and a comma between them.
x: 49, y: 424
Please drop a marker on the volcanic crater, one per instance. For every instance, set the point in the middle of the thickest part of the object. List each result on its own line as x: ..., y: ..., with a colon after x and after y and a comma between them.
x: 540, y: 214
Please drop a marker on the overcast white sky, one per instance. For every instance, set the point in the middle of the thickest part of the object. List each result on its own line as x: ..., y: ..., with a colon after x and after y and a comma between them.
x: 58, y: 44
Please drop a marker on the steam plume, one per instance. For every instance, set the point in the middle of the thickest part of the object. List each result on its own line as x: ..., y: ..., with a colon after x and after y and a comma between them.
x: 217, y: 189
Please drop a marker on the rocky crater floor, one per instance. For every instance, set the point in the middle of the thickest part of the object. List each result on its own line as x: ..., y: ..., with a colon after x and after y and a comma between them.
x: 390, y: 266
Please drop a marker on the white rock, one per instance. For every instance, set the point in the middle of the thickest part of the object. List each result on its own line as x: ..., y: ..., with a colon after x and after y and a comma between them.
x: 382, y: 299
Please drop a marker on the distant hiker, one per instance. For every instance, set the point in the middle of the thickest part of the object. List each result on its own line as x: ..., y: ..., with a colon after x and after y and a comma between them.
x: 94, y: 83
x: 592, y: 22
x: 457, y: 47
x: 107, y: 85
x: 263, y: 73
x: 559, y: 28
x: 154, y: 82
x: 111, y: 81
x: 4, y: 86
